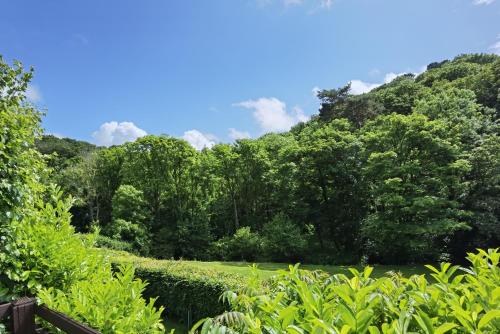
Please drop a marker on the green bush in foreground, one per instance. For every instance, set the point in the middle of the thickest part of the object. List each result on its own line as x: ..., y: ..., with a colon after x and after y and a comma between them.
x: 114, y: 305
x: 299, y: 301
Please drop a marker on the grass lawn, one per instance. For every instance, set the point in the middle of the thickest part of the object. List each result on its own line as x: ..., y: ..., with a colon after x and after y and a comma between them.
x: 266, y: 269
x: 269, y: 269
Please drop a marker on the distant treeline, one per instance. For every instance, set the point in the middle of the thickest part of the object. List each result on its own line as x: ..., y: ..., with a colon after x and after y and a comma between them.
x: 409, y: 172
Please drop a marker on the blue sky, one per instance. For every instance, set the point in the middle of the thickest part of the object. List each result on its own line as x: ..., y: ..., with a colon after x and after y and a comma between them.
x: 214, y: 70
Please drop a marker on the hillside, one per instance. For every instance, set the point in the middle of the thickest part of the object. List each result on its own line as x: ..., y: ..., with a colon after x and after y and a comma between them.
x: 408, y: 172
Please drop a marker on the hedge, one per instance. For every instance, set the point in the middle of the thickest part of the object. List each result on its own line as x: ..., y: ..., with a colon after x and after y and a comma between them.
x: 187, y: 292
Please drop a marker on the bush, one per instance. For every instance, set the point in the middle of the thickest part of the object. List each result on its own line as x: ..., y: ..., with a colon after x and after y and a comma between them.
x: 134, y: 234
x: 90, y: 302
x: 67, y: 274
x: 299, y: 301
x: 184, y: 288
x: 102, y: 241
x: 244, y: 245
x: 283, y: 240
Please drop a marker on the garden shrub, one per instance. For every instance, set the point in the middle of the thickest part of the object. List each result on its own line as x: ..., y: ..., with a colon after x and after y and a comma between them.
x: 90, y: 302
x: 455, y: 300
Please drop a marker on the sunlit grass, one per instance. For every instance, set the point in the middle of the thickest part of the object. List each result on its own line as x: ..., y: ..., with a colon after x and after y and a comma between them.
x: 267, y: 269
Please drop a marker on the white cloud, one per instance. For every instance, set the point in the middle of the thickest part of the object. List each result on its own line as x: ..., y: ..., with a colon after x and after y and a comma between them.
x: 391, y: 76
x: 361, y: 87
x: 292, y: 2
x: 236, y: 134
x: 33, y: 94
x: 313, y: 5
x: 271, y: 114
x: 495, y: 48
x: 315, y: 91
x: 114, y: 133
x: 326, y: 4
x: 199, y: 140
x: 55, y: 134
x: 374, y: 72
x: 482, y: 2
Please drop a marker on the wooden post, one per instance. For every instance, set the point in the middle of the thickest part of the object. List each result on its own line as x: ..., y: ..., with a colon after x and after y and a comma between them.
x: 23, y: 316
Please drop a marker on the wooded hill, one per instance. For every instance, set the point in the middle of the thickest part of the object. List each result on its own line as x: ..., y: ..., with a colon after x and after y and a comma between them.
x: 409, y: 172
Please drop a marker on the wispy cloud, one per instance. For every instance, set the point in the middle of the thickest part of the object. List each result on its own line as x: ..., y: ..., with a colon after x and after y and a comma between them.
x: 271, y: 114
x: 292, y: 2
x: 78, y: 39
x: 199, y: 140
x: 315, y: 90
x: 361, y: 87
x: 482, y: 2
x: 495, y: 48
x: 114, y: 133
x: 33, y: 94
x: 236, y: 134
x: 311, y: 5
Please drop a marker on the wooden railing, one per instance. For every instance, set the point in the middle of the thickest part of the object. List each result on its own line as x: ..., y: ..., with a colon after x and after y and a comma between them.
x: 22, y: 314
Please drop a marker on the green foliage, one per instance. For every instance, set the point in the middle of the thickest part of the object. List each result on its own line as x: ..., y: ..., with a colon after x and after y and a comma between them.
x: 20, y: 165
x: 131, y: 233
x: 244, y: 245
x: 48, y: 253
x: 128, y: 204
x: 182, y: 287
x: 62, y: 151
x: 299, y: 301
x: 90, y: 301
x: 394, y: 175
x: 103, y: 241
x: 40, y: 254
x: 400, y: 95
x: 330, y: 191
x: 283, y: 240
x: 415, y: 179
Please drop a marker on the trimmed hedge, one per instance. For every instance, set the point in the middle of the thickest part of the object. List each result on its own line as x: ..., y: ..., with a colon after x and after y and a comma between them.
x: 188, y: 293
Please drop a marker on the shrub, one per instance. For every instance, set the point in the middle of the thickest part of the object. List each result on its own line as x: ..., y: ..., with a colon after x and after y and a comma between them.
x: 183, y: 287
x: 134, y: 234
x: 46, y: 251
x: 66, y: 273
x: 90, y: 301
x: 244, y: 245
x: 299, y: 301
x: 283, y: 240
x: 103, y: 241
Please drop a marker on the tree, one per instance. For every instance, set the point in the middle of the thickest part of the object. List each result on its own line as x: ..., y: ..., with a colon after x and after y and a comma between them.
x: 332, y: 102
x: 283, y: 241
x: 414, y: 175
x: 128, y: 204
x: 329, y: 188
x: 21, y: 167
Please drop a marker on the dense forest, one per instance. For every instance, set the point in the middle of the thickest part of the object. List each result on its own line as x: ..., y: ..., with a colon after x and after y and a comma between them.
x: 408, y: 172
